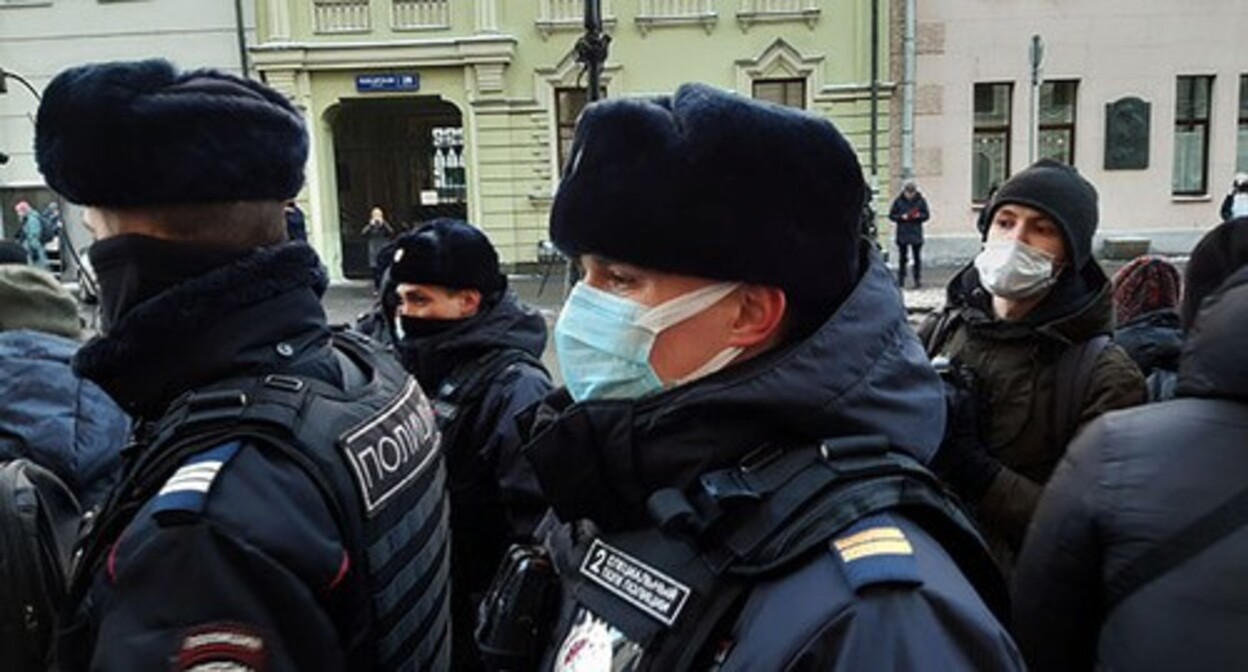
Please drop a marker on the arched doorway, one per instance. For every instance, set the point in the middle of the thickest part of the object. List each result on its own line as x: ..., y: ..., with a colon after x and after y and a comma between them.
x: 404, y: 155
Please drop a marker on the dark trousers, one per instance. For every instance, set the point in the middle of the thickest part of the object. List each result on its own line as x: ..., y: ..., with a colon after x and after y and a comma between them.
x: 903, y: 250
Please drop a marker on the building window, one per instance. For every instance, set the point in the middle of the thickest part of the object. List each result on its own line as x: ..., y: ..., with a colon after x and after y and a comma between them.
x: 1057, y: 121
x: 990, y: 158
x: 417, y: 14
x: 1191, y: 136
x: 341, y: 16
x: 568, y: 105
x: 1241, y: 162
x: 789, y: 92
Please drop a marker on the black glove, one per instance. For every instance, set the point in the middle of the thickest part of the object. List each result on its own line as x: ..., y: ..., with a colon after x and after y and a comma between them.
x: 963, y: 460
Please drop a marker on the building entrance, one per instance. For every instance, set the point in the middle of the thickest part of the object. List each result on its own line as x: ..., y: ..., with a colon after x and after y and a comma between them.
x: 402, y: 155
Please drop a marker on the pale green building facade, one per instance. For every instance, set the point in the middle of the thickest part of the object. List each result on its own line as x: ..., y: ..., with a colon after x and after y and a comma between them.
x: 464, y: 107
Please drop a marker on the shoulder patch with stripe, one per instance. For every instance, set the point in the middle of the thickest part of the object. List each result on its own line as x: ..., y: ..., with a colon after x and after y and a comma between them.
x: 875, y: 551
x: 184, y: 496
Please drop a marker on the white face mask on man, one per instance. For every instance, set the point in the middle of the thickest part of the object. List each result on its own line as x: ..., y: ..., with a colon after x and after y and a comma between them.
x: 1012, y: 270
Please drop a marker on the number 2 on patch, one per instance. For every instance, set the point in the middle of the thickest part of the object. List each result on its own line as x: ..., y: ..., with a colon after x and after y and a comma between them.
x: 595, y: 565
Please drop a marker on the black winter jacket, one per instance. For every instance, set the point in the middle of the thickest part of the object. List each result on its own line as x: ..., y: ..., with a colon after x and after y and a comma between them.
x: 862, y: 372
x: 1133, y: 479
x: 254, y: 571
x: 495, y: 499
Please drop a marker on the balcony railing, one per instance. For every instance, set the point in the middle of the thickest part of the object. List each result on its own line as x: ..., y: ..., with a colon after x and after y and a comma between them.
x: 569, y: 15
x: 420, y: 14
x: 341, y: 16
x: 760, y: 11
x: 676, y: 12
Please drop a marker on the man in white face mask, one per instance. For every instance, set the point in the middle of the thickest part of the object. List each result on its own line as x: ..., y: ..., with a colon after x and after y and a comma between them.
x: 1026, y: 330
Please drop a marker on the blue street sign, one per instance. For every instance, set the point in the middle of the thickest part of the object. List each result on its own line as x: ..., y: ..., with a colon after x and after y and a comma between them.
x: 389, y: 82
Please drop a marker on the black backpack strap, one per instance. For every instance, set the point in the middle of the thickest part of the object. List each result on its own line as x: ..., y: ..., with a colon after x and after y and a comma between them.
x: 1175, y: 550
x: 778, y: 505
x: 258, y: 409
x: 1073, y: 375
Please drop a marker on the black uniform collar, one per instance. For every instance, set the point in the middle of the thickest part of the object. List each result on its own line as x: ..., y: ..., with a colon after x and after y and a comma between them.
x: 229, y: 321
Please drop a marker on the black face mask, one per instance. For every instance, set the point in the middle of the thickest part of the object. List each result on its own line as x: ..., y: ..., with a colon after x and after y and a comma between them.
x: 133, y: 268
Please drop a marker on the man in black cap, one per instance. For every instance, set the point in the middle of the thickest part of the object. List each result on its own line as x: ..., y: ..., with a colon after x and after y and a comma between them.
x: 476, y: 349
x: 1026, y: 331
x: 732, y: 365
x: 283, y: 506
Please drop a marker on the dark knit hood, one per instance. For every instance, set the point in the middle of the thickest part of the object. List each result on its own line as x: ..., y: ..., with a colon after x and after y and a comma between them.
x: 226, y: 322
x: 862, y: 372
x: 1214, y: 363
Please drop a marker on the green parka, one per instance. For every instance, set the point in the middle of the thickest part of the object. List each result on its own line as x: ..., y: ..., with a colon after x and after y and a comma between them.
x: 1016, y: 365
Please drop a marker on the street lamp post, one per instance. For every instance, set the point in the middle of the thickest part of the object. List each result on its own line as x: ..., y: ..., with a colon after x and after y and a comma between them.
x: 8, y: 74
x: 1036, y: 56
x: 591, y: 49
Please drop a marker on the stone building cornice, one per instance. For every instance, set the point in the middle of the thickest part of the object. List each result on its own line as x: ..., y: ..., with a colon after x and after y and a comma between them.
x: 327, y: 55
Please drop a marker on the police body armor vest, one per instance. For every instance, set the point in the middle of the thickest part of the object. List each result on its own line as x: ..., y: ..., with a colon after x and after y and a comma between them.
x: 673, y: 589
x: 373, y: 452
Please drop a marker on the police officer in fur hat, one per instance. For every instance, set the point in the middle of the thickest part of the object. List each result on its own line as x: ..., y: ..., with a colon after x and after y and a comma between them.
x: 1027, y: 329
x: 477, y: 350
x: 739, y: 377
x: 283, y: 504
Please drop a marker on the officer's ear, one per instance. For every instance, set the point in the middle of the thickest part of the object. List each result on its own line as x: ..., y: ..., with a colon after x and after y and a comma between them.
x: 760, y: 317
x: 469, y: 302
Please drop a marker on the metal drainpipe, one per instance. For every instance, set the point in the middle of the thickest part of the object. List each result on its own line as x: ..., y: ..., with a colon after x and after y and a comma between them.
x: 907, y: 94
x: 241, y: 32
x: 875, y: 91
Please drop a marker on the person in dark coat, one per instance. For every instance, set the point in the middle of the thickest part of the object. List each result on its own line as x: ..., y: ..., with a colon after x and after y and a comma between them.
x: 1149, y: 329
x: 48, y: 413
x: 908, y: 213
x: 477, y: 351
x: 296, y: 223
x: 289, y: 509
x: 1033, y: 294
x: 711, y: 327
x: 1128, y: 486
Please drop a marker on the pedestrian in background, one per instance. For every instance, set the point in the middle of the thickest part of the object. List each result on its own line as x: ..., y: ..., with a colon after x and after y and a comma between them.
x: 1235, y: 204
x: 48, y: 413
x: 379, y: 234
x: 31, y: 234
x: 1137, y: 550
x: 1149, y: 329
x: 283, y: 506
x: 296, y: 223
x: 908, y: 213
x: 476, y: 350
x: 1027, y: 331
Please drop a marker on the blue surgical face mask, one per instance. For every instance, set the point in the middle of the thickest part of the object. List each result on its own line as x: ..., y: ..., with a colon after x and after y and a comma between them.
x: 604, y: 341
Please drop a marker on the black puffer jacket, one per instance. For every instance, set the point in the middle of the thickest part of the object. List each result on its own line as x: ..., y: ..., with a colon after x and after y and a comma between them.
x: 1133, y: 479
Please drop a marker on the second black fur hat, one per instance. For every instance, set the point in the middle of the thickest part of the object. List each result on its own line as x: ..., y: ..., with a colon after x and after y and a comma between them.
x: 447, y: 253
x: 709, y: 183
x: 140, y: 133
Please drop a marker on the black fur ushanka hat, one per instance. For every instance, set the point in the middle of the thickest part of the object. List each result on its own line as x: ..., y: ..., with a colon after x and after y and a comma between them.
x: 712, y: 184
x: 140, y: 133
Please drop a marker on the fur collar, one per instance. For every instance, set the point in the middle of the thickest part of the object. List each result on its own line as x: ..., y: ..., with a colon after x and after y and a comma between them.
x: 197, y: 330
